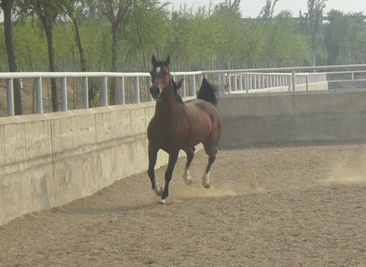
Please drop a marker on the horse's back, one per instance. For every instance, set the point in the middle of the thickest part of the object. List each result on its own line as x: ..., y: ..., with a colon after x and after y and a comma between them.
x: 196, y: 121
x: 204, y: 120
x: 198, y: 106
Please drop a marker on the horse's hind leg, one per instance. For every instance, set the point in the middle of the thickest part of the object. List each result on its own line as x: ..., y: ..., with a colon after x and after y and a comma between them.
x: 190, y: 154
x: 206, y: 176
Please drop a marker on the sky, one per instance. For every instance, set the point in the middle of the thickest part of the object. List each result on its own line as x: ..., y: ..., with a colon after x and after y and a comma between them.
x: 252, y: 8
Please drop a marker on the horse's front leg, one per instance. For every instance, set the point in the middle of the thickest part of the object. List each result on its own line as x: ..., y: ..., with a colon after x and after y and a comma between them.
x: 190, y: 154
x: 168, y: 175
x: 153, y: 153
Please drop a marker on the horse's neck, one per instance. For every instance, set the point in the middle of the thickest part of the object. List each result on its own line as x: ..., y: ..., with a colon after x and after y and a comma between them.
x: 168, y: 105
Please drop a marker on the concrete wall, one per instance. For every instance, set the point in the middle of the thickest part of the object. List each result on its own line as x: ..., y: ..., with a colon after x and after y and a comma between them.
x: 347, y: 84
x: 319, y: 86
x: 49, y: 160
x: 291, y: 117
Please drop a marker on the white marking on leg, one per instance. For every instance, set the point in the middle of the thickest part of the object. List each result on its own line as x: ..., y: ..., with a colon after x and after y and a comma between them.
x: 186, y: 177
x: 161, y: 201
x: 206, y: 180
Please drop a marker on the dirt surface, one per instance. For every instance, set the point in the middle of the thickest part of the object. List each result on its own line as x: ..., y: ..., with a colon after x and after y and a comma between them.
x: 306, y: 207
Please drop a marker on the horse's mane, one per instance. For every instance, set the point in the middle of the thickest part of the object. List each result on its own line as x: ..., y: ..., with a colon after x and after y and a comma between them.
x: 176, y: 86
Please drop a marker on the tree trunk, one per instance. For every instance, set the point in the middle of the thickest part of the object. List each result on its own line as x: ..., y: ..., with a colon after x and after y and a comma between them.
x: 51, y: 61
x: 112, y: 98
x: 81, y: 50
x: 142, y: 49
x: 7, y: 6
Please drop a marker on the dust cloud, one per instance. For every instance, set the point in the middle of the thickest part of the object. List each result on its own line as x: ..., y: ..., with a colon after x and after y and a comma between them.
x: 247, y: 184
x: 346, y: 172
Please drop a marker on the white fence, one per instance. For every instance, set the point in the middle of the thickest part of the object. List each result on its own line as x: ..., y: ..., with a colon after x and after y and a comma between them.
x: 227, y: 81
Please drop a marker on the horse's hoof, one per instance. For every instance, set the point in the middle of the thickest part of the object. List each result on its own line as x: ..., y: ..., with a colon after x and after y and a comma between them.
x: 206, y: 181
x: 158, y: 191
x: 188, y: 181
x: 161, y: 201
x: 206, y: 184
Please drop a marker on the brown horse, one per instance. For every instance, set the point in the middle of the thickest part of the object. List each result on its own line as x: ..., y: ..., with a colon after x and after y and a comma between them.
x: 180, y: 125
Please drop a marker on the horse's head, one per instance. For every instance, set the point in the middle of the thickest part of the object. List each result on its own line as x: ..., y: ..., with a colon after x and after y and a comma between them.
x: 160, y: 77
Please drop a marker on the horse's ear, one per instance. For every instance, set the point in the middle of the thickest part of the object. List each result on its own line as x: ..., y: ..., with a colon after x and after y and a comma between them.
x: 153, y: 60
x: 167, y: 61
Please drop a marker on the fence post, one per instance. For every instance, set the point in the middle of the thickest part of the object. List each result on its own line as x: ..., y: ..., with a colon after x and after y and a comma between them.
x: 293, y: 81
x: 149, y: 96
x: 184, y: 93
x: 247, y: 83
x: 104, y: 92
x: 222, y: 83
x: 193, y: 86
x: 241, y: 82
x: 137, y: 90
x: 199, y: 81
x: 307, y: 82
x: 63, y: 94
x: 234, y: 83
x: 229, y: 82
x: 85, y: 93
x: 39, y: 104
x: 10, y: 96
x: 121, y: 91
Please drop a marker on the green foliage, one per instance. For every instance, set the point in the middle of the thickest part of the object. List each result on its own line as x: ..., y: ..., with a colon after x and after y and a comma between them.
x: 30, y: 46
x: 146, y: 28
x: 181, y: 42
x: 345, y: 39
x: 211, y: 37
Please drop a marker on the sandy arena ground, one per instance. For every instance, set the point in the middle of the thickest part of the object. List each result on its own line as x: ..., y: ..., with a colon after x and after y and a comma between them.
x: 306, y: 207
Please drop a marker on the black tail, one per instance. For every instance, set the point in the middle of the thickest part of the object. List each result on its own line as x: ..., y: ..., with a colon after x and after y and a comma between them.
x: 208, y: 92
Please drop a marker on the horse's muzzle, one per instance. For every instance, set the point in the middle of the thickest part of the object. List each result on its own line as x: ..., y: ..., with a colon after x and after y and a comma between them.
x: 155, y: 92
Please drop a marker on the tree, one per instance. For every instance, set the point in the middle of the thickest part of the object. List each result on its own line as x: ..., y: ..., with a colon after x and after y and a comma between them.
x: 344, y: 38
x: 47, y: 11
x: 115, y: 11
x: 312, y: 27
x: 284, y: 47
x: 146, y: 27
x: 205, y: 38
x: 70, y: 8
x: 7, y: 6
x: 268, y: 10
x: 180, y: 41
x: 229, y: 23
x: 253, y: 42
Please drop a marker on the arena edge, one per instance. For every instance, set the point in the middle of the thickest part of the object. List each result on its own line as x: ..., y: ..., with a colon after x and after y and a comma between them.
x: 49, y: 160
x: 291, y: 117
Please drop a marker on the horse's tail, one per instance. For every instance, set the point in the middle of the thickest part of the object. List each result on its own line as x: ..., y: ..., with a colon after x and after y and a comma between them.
x: 208, y: 92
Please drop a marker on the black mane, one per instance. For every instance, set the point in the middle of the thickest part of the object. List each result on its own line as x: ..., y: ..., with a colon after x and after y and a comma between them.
x: 175, y: 89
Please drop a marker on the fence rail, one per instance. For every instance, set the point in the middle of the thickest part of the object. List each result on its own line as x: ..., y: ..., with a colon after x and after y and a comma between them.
x: 227, y: 80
